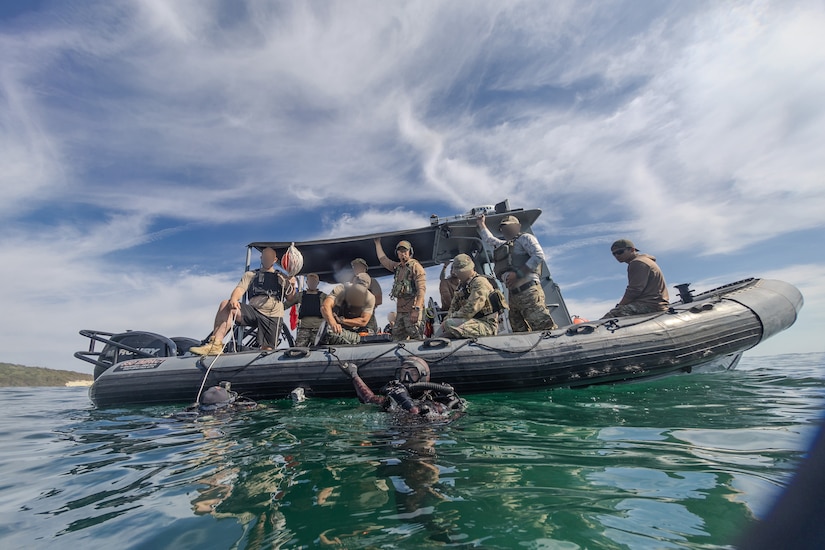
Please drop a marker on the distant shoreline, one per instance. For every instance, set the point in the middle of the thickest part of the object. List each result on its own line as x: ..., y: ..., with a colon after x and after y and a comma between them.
x: 12, y: 376
x: 78, y: 383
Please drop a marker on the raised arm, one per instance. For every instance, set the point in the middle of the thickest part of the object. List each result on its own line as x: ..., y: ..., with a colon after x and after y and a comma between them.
x: 382, y: 256
x: 365, y: 394
x: 486, y: 235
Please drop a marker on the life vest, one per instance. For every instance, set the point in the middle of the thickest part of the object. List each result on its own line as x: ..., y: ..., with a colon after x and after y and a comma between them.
x: 264, y: 283
x: 506, y: 260
x: 310, y: 305
x: 346, y: 310
x: 403, y: 284
x: 350, y: 312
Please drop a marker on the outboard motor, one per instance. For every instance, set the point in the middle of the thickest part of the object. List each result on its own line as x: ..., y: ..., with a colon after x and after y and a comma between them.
x: 685, y: 294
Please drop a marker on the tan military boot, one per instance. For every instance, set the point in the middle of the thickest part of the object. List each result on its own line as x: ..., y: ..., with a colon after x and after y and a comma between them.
x: 210, y: 348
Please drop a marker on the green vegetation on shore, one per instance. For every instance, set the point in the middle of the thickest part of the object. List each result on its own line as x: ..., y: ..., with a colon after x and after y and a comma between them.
x: 20, y: 376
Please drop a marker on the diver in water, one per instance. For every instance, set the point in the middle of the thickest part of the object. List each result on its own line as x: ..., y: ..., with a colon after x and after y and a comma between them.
x: 411, y: 391
x: 217, y: 400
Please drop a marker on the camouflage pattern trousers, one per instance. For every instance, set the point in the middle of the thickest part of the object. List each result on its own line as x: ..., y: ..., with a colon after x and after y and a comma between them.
x: 469, y: 328
x: 633, y: 309
x: 346, y: 336
x: 529, y: 312
x: 305, y: 337
x: 372, y: 325
x: 404, y: 327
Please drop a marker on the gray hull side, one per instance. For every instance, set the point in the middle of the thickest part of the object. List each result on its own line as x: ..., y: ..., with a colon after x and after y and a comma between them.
x: 715, y: 328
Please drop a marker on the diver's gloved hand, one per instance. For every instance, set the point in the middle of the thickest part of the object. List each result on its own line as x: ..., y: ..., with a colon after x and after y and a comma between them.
x: 350, y: 369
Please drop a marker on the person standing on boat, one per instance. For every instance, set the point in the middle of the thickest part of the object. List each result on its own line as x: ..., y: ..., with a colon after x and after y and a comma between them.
x: 266, y: 290
x: 409, y: 289
x: 518, y: 257
x: 309, y: 313
x: 471, y: 312
x: 359, y: 265
x: 410, y: 393
x: 646, y: 290
x: 354, y: 304
x: 447, y: 286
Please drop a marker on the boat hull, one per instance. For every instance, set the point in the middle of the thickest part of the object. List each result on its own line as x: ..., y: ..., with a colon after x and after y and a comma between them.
x: 712, y: 331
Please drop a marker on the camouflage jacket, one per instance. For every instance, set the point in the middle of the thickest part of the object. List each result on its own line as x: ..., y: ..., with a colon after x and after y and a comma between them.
x: 472, y: 299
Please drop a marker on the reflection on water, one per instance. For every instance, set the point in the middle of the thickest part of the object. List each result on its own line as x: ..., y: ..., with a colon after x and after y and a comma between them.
x: 677, y: 463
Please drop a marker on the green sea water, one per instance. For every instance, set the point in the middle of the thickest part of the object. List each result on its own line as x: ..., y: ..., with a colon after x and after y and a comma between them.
x: 682, y: 462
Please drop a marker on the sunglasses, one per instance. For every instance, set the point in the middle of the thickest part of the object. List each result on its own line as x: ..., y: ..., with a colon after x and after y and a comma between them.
x: 619, y: 251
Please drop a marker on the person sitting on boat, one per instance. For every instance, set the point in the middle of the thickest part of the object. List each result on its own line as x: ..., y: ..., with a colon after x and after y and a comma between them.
x: 447, y: 286
x: 646, y: 290
x: 409, y: 289
x: 518, y: 257
x: 347, y: 310
x: 390, y: 322
x: 411, y: 392
x: 309, y: 311
x: 266, y: 290
x: 359, y: 265
x: 471, y: 313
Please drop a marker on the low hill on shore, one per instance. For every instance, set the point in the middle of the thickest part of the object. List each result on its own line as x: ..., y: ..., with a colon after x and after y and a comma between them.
x: 20, y: 376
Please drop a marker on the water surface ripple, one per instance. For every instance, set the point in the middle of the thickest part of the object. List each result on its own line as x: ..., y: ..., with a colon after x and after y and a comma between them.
x: 682, y: 462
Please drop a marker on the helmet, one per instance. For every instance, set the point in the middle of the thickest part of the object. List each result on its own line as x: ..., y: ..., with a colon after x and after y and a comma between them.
x: 216, y: 397
x: 413, y: 370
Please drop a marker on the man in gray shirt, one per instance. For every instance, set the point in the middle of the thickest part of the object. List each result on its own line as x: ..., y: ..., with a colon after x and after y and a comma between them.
x: 518, y: 258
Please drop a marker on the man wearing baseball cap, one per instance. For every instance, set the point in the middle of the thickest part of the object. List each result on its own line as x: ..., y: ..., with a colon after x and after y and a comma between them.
x: 359, y: 265
x: 354, y: 304
x: 519, y: 266
x: 646, y: 290
x: 409, y: 289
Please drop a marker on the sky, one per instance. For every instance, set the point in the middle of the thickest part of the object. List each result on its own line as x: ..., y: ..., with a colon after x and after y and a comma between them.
x: 145, y: 143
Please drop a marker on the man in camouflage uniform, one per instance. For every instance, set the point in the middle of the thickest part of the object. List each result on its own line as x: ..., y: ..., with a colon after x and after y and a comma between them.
x: 471, y: 314
x: 347, y: 310
x: 409, y: 287
x: 528, y: 310
x: 359, y: 265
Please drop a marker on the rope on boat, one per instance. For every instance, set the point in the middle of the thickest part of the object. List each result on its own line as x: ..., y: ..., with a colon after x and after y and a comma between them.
x: 466, y: 342
x: 209, y: 368
x: 281, y: 318
x: 546, y: 335
x: 612, y: 324
x: 331, y: 351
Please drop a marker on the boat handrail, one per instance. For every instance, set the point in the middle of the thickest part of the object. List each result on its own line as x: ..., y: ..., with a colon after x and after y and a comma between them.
x: 106, y: 339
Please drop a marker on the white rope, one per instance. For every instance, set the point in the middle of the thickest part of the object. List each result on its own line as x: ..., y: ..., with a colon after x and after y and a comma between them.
x: 209, y: 368
x: 235, y: 343
x: 281, y: 318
